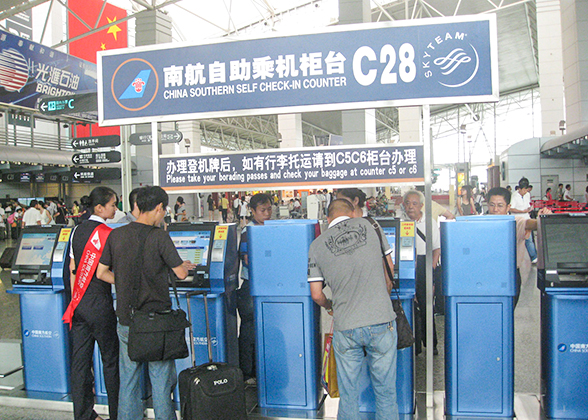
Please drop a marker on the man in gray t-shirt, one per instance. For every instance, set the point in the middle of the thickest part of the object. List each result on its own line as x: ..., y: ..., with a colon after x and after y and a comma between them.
x: 348, y: 258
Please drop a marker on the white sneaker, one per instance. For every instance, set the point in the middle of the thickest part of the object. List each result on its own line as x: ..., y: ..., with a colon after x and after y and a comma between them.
x: 534, y: 261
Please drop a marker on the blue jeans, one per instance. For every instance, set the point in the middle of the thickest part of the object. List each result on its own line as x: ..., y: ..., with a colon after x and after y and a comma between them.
x: 379, y: 342
x: 531, y: 247
x: 163, y: 379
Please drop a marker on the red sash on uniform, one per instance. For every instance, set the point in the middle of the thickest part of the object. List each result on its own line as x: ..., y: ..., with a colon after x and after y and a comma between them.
x: 87, y: 267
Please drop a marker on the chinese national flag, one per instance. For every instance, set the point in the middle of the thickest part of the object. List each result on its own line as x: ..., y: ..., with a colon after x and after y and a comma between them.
x: 86, y: 48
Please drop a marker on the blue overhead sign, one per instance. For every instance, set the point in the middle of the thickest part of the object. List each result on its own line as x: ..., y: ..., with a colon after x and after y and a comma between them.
x: 30, y: 71
x: 296, y: 168
x: 424, y: 61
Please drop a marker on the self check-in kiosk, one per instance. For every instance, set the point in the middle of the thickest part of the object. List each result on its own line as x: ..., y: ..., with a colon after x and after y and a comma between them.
x: 401, y: 237
x: 213, y: 248
x: 479, y: 272
x: 287, y: 329
x: 39, y: 274
x: 563, y: 280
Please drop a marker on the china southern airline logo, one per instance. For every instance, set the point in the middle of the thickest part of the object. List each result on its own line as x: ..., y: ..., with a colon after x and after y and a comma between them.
x: 137, y: 87
x: 451, y: 60
x: 134, y: 84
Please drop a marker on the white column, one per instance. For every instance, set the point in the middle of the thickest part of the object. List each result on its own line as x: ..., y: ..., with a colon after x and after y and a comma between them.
x: 551, y: 83
x: 574, y: 18
x: 358, y: 127
x: 409, y: 124
x: 290, y: 128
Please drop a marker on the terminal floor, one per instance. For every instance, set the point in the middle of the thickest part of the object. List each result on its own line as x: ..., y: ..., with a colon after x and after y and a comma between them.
x: 17, y: 404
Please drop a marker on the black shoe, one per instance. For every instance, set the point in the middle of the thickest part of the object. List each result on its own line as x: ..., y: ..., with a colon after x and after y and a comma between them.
x: 435, y: 352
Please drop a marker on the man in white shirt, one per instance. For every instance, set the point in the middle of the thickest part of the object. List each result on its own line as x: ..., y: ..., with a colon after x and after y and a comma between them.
x: 567, y: 196
x: 520, y: 206
x: 32, y: 216
x: 413, y: 206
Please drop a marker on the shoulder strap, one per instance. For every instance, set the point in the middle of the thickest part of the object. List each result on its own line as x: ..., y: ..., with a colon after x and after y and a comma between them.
x: 421, y: 235
x: 139, y: 269
x: 376, y: 227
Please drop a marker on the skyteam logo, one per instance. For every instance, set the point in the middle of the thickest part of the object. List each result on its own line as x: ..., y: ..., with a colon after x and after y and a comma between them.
x: 451, y: 60
x: 134, y: 84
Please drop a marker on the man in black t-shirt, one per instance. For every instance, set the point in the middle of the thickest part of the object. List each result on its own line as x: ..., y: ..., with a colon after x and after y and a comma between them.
x: 122, y: 265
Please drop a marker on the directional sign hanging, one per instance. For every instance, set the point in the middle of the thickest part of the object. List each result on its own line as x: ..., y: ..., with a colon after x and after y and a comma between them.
x: 111, y: 140
x: 167, y: 137
x: 95, y: 175
x: 96, y: 158
x: 70, y: 104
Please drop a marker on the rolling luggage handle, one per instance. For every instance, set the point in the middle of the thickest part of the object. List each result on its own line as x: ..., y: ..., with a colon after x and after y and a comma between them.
x: 208, y: 339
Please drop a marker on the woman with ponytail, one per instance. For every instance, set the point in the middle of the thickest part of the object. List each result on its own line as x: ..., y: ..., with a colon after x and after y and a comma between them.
x: 91, y: 312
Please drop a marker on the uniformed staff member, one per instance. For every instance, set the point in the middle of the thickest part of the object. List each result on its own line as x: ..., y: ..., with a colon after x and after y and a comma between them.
x: 91, y: 312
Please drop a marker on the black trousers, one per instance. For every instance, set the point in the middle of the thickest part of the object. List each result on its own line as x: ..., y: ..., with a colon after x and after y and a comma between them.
x: 421, y: 295
x: 246, y: 331
x: 94, y: 321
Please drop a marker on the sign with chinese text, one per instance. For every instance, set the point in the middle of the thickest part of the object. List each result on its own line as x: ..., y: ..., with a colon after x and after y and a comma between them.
x: 282, y: 168
x: 112, y: 140
x: 423, y: 61
x: 69, y: 105
x: 167, y: 137
x: 96, y: 158
x: 29, y: 70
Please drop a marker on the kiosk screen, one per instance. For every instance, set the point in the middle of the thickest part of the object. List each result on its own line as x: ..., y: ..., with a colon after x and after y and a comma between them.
x: 36, y: 249
x: 390, y: 232
x: 193, y: 245
x: 565, y: 243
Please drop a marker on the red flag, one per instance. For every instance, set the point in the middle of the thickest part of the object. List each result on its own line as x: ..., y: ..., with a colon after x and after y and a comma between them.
x: 87, y: 14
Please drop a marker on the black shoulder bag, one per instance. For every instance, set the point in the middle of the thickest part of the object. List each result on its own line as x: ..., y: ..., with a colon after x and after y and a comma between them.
x: 405, y: 335
x: 156, y: 335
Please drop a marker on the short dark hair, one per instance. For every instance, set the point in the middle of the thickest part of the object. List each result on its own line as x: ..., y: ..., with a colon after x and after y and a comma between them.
x: 149, y: 197
x: 352, y: 193
x: 503, y: 192
x: 258, y: 199
x: 568, y: 185
x: 133, y: 197
x: 34, y: 203
x: 340, y: 204
x: 100, y: 195
x: 523, y: 183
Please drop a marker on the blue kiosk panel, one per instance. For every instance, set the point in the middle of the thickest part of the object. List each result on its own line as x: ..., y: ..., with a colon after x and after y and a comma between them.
x: 562, y: 277
x: 479, y: 269
x: 286, y: 318
x: 39, y: 272
x: 565, y: 350
x: 44, y: 341
x: 400, y: 236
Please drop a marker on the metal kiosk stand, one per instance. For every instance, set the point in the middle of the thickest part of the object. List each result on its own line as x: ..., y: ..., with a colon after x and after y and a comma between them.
x: 479, y: 269
x: 39, y: 273
x: 563, y: 280
x: 400, y: 236
x: 286, y: 318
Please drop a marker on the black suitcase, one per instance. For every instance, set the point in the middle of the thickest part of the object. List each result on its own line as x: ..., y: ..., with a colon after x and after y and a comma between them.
x: 7, y: 257
x: 212, y: 391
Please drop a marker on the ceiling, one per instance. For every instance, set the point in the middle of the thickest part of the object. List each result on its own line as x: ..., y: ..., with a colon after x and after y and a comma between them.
x: 197, y: 20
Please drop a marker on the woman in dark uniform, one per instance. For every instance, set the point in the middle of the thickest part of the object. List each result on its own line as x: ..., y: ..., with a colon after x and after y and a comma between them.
x: 91, y: 312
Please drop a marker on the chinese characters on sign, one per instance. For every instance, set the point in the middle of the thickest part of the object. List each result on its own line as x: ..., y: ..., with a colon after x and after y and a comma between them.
x: 432, y: 61
x: 362, y: 165
x: 33, y: 70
